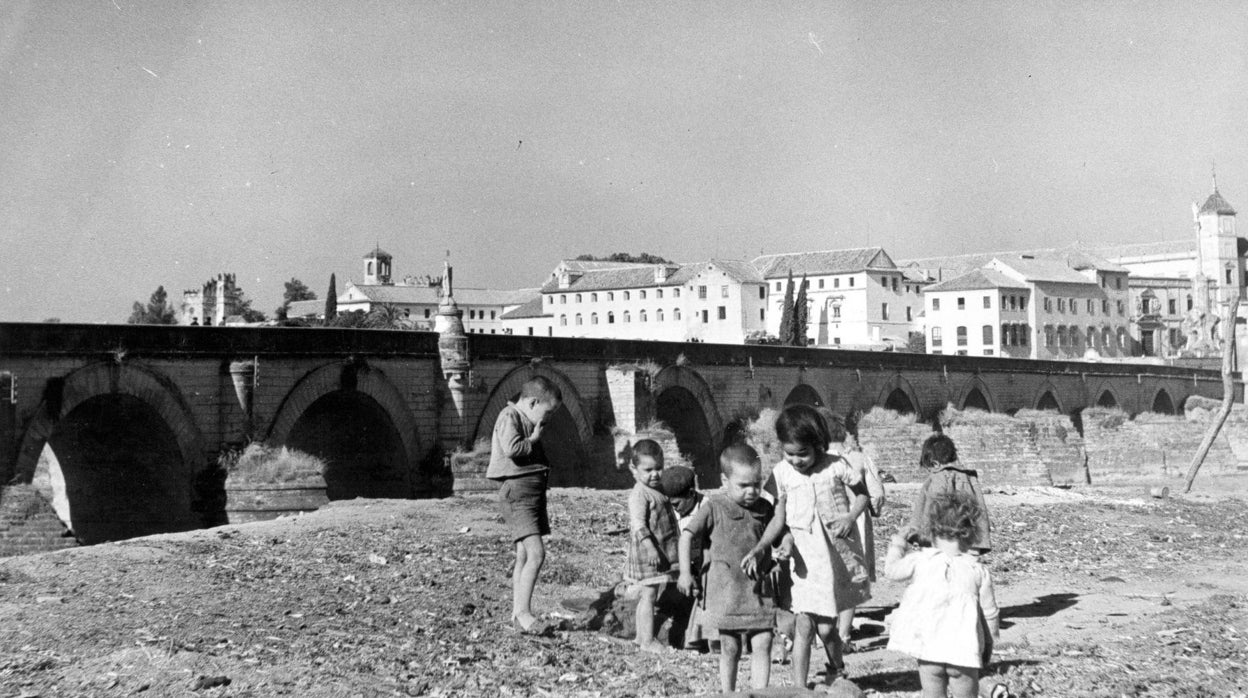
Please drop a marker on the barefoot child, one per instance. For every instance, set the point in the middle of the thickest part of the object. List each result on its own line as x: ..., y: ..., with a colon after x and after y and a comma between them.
x: 865, y: 467
x: 653, y: 537
x: 949, y: 612
x: 737, y: 604
x: 941, y: 457
x: 680, y: 485
x: 828, y: 575
x: 519, y: 462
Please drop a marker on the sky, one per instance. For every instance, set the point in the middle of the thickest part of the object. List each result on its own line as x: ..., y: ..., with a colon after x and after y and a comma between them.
x: 147, y: 144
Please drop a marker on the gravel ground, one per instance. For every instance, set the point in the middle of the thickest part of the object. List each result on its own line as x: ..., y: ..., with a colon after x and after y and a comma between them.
x: 1104, y: 594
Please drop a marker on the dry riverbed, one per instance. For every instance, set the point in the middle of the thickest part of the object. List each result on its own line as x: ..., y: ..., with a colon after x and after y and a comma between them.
x: 1105, y: 592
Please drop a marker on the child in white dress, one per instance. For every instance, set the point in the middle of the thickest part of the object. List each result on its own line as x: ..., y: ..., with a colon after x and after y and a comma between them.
x: 949, y: 608
x: 828, y: 573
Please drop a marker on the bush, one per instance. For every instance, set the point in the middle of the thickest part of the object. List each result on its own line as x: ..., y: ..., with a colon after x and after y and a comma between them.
x: 268, y: 464
x: 1105, y: 417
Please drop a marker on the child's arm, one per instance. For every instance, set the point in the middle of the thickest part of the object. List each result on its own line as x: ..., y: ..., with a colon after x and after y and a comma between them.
x: 842, y: 526
x: 685, y: 582
x: 898, y: 565
x: 775, y: 527
x: 512, y: 438
x: 639, y: 526
x: 988, y: 604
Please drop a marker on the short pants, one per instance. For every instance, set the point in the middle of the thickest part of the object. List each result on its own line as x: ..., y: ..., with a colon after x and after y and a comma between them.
x: 522, y: 500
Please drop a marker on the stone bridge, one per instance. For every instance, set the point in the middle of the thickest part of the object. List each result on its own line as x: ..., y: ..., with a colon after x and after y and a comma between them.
x: 138, y: 416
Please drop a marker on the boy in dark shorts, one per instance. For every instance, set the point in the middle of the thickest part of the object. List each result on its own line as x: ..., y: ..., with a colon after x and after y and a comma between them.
x: 519, y: 462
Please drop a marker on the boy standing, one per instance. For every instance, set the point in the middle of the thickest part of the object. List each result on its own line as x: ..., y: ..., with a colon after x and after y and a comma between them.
x: 519, y: 462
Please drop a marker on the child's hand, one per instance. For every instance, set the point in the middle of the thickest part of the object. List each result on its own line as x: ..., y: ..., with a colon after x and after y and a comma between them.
x: 537, y: 432
x: 685, y: 584
x: 751, y: 562
x: 841, y: 526
x: 784, y: 549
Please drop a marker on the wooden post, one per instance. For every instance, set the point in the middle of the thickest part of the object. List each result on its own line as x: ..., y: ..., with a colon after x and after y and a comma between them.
x: 1228, y: 392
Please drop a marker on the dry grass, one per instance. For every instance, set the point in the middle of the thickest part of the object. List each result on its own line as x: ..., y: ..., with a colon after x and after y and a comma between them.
x: 268, y: 464
x: 470, y: 461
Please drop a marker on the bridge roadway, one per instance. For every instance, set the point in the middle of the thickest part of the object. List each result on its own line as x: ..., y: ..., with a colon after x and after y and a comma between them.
x: 137, y: 416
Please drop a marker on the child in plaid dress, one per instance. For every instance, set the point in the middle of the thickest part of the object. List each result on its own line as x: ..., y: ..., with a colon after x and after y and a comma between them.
x: 653, y: 539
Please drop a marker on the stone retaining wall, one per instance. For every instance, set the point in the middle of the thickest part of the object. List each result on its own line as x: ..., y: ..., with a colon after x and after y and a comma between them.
x: 28, y: 524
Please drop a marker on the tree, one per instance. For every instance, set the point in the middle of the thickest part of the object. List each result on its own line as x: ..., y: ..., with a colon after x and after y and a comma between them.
x: 296, y: 290
x: 385, y: 316
x: 244, y: 308
x: 643, y: 258
x: 801, y: 315
x: 331, y: 301
x: 786, y: 312
x: 156, y: 312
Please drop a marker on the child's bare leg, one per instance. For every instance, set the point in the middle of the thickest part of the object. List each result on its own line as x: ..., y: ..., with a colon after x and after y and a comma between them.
x: 644, y: 620
x: 729, y: 654
x: 934, y: 680
x: 845, y: 624
x: 530, y: 555
x: 963, y: 681
x: 825, y: 627
x: 760, y: 659
x: 803, y: 637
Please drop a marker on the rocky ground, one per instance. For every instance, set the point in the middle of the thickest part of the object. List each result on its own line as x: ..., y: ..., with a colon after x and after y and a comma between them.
x: 1104, y: 592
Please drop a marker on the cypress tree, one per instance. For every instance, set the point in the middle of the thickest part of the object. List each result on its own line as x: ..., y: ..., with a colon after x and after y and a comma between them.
x: 801, y: 315
x: 331, y: 301
x: 786, y: 312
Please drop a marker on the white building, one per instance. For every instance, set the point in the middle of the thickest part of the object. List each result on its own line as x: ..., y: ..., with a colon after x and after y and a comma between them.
x: 1068, y: 306
x: 857, y: 298
x: 719, y: 301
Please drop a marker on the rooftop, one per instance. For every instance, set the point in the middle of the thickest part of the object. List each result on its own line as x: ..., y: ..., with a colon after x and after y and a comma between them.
x: 977, y: 280
x: 825, y: 262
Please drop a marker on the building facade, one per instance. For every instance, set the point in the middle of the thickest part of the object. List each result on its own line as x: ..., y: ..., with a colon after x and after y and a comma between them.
x: 210, y: 304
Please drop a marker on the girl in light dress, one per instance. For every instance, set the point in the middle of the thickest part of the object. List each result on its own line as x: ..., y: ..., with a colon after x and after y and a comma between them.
x: 948, y: 615
x: 827, y: 568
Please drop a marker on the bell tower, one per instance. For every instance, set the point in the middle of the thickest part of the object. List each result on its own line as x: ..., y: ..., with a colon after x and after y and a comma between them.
x: 377, y: 267
x: 1219, y: 245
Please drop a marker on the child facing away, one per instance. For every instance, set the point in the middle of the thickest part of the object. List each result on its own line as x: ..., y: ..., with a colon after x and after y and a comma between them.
x: 737, y: 604
x: 518, y: 461
x: 941, y: 457
x: 827, y: 570
x: 865, y: 467
x: 948, y: 615
x: 653, y: 539
x: 680, y: 485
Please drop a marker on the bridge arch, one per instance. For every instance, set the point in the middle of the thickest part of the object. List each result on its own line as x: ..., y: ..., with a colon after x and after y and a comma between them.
x: 805, y: 394
x: 352, y: 416
x: 1047, y: 397
x: 128, y: 448
x: 684, y: 402
x: 1106, y: 398
x: 975, y: 395
x: 1162, y: 402
x: 899, y: 396
x: 568, y: 435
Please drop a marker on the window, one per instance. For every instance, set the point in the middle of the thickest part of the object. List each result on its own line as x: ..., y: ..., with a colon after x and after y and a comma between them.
x: 492, y: 313
x: 884, y: 281
x: 909, y: 314
x: 1061, y: 305
x: 1118, y: 283
x: 836, y: 282
x: 641, y: 316
x: 1006, y: 338
x: 610, y: 295
x: 626, y: 317
x: 642, y: 294
x: 987, y: 335
x: 884, y: 311
x: 1174, y: 337
x: 706, y: 316
x: 701, y: 293
x: 593, y: 318
x: 658, y: 293
x: 1228, y: 277
x: 762, y: 314
x: 563, y: 320
x: 723, y: 313
x: 894, y: 284
x: 935, y: 304
x: 961, y: 303
x: 1022, y: 302
x: 627, y: 295
x: 961, y: 352
x: 658, y: 316
x: 820, y: 283
x: 987, y: 301
x: 762, y: 292
x: 1122, y: 308
x: 611, y: 318
x: 962, y: 335
x: 1061, y: 336
x: 778, y: 286
x: 472, y: 315
x: 1189, y: 302
x: 1172, y: 305
x: 1106, y: 338
x: 936, y: 340
x: 427, y: 310
x: 1074, y: 306
x: 550, y: 300
x: 1011, y: 301
x: 563, y: 298
x: 988, y: 352
x: 593, y: 298
x: 676, y: 314
x: 1091, y: 307
x: 578, y: 298
x: 578, y: 319
x: 1091, y: 337
x: 1105, y: 307
x: 676, y: 294
x: 1048, y: 335
x: 851, y: 282
x: 836, y: 312
x: 1023, y: 333
x: 723, y: 291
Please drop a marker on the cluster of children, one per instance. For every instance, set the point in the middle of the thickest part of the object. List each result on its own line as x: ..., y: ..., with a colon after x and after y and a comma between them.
x: 800, y: 542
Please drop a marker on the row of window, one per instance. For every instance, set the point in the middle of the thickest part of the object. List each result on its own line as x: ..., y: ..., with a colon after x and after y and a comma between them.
x: 1011, y: 335
x: 1008, y: 302
x: 1172, y: 305
x: 626, y: 295
x: 1063, y: 336
x: 721, y: 313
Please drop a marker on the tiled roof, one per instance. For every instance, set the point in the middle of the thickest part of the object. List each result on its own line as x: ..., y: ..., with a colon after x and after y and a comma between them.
x: 1040, y: 269
x: 975, y: 280
x: 1216, y: 204
x: 596, y: 265
x: 631, y: 276
x: 1075, y: 256
x: 1167, y: 248
x: 532, y: 308
x: 737, y: 270
x: 378, y: 253
x: 826, y: 262
x: 430, y: 295
x: 305, y: 308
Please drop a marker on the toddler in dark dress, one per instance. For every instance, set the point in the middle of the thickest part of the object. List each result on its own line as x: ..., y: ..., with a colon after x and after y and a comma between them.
x: 736, y: 605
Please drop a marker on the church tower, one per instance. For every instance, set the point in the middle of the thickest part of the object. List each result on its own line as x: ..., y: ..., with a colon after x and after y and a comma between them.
x: 1220, y: 259
x: 377, y: 268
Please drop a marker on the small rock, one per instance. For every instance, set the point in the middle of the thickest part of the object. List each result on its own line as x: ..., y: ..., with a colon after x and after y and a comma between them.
x: 376, y: 559
x: 49, y: 599
x: 210, y: 682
